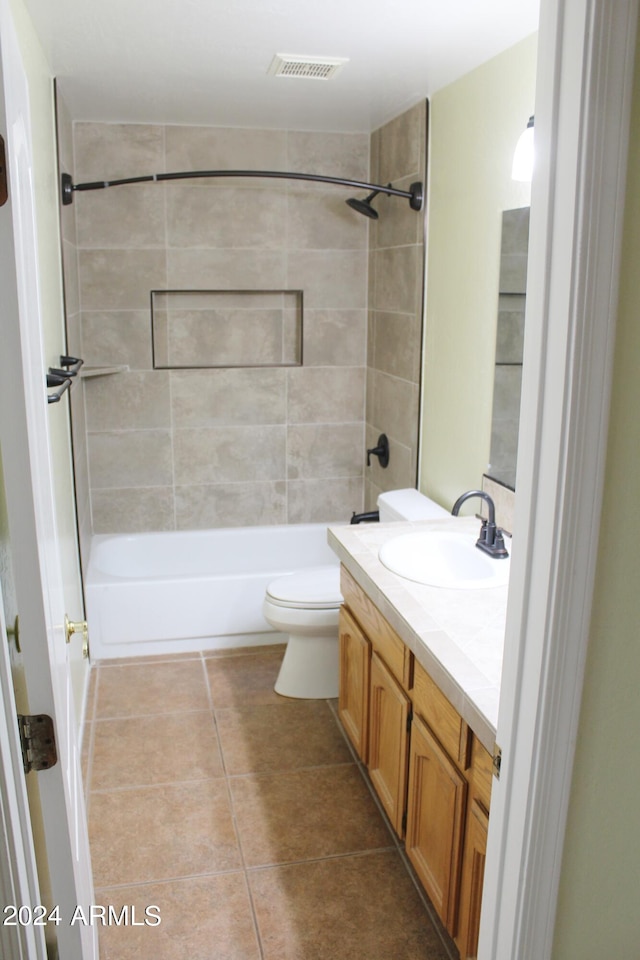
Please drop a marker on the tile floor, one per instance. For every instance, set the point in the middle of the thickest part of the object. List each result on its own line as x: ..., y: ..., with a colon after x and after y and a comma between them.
x: 243, y: 816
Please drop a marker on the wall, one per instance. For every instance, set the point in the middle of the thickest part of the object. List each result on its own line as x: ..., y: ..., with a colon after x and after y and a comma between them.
x: 221, y: 447
x: 396, y: 281
x: 475, y: 124
x: 598, y: 900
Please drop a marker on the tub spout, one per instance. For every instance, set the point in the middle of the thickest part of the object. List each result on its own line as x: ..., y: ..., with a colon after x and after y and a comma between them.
x: 368, y: 517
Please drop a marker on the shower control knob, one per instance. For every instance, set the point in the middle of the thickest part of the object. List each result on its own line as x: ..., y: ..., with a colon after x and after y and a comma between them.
x: 381, y: 451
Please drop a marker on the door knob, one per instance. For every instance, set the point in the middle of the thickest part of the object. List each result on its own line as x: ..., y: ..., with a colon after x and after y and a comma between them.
x: 14, y: 632
x: 77, y: 626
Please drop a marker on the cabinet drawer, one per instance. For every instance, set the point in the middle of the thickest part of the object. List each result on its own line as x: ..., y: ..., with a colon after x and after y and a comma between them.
x: 384, y: 640
x: 445, y: 721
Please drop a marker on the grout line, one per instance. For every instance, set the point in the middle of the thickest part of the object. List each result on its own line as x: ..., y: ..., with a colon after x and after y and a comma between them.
x: 156, y: 785
x: 232, y: 812
x: 163, y: 713
x: 347, y: 855
x: 169, y: 879
x: 283, y: 773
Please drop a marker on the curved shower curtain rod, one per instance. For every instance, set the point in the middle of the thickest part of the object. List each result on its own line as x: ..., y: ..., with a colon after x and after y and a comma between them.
x: 414, y: 194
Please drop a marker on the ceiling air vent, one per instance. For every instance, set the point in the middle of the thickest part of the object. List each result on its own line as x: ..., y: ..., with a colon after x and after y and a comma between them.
x: 306, y: 68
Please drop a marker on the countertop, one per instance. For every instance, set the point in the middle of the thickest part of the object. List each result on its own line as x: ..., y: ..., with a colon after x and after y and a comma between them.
x: 457, y: 635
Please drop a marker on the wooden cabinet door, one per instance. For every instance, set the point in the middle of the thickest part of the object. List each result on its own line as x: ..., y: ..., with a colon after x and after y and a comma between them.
x: 475, y: 850
x: 435, y: 821
x: 389, y: 710
x: 353, y: 698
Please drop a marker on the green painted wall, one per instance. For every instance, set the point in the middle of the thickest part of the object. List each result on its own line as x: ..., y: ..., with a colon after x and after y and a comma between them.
x: 475, y: 125
x: 598, y: 913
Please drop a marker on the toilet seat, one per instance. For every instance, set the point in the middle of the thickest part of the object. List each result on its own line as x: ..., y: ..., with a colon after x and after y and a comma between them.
x: 315, y: 588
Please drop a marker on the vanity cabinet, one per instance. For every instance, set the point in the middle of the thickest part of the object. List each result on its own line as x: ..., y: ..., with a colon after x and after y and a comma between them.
x: 432, y: 775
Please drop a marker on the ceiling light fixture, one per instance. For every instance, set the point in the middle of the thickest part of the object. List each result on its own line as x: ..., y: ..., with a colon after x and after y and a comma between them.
x: 522, y: 168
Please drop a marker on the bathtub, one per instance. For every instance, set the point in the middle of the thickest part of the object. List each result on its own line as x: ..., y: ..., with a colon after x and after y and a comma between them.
x: 155, y: 593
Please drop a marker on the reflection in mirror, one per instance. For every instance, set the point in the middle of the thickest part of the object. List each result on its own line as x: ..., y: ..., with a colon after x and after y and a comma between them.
x: 509, y: 343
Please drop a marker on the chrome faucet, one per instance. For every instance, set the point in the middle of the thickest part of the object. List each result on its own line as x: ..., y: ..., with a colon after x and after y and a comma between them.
x: 491, y: 538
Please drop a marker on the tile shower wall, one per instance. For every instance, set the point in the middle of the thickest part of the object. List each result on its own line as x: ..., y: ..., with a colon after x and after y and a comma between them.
x: 192, y: 449
x: 396, y: 279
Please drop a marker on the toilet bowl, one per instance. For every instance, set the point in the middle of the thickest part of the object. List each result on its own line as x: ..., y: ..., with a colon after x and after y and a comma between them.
x: 305, y: 605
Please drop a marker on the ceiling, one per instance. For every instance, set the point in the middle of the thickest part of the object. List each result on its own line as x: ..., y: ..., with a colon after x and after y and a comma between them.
x: 207, y: 61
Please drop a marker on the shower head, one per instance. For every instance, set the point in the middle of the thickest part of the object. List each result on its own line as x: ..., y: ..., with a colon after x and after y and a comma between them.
x: 364, y: 206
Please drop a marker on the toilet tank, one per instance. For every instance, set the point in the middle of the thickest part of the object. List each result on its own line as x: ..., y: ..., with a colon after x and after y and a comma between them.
x: 408, y: 505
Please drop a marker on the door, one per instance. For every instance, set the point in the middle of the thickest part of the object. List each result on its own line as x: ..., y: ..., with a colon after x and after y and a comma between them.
x: 24, y: 441
x: 18, y: 874
x: 436, y: 807
x: 473, y: 860
x: 389, y: 709
x: 353, y: 702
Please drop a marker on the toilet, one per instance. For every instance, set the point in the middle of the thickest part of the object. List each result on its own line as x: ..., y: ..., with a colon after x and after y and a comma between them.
x: 305, y: 605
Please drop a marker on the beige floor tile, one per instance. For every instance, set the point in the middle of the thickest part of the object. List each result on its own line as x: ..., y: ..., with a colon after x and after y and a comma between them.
x: 156, y: 833
x: 204, y: 919
x: 306, y: 814
x: 160, y: 749
x: 273, y: 737
x: 245, y: 680
x: 350, y: 908
x: 145, y: 688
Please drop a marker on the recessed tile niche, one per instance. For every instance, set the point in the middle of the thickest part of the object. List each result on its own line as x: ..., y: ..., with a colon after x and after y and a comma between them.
x: 226, y: 328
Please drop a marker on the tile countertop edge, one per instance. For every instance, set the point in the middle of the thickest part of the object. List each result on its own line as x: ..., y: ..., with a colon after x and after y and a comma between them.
x: 473, y: 695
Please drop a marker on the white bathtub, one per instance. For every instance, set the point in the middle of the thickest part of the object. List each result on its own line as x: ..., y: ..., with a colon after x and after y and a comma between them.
x: 154, y: 593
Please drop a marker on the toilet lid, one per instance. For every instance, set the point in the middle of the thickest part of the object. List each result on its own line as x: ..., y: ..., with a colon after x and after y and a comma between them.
x: 315, y: 588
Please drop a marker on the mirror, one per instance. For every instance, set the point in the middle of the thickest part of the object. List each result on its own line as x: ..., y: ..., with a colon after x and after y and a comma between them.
x: 471, y: 185
x: 509, y: 343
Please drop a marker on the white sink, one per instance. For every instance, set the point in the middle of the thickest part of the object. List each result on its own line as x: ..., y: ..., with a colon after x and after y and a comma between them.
x: 443, y: 559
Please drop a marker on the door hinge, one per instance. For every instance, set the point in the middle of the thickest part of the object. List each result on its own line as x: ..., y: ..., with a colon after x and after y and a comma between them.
x: 496, y: 761
x: 38, y: 741
x: 409, y: 719
x: 4, y: 186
